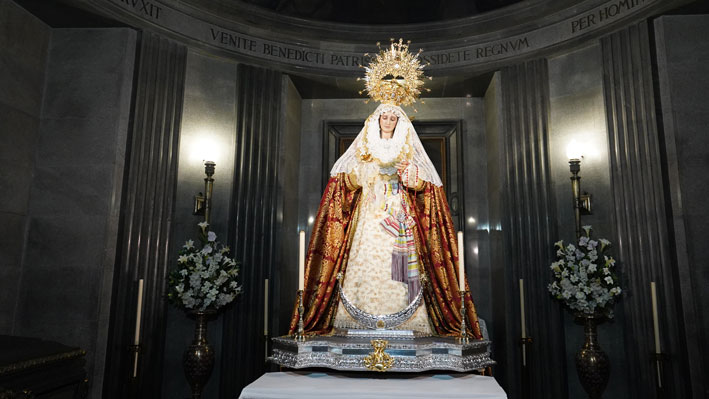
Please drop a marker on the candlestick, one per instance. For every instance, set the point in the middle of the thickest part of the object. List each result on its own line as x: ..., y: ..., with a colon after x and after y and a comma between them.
x: 463, y: 334
x: 461, y: 262
x: 135, y: 349
x: 300, y: 335
x: 522, y: 321
x: 138, y: 312
x: 301, y: 262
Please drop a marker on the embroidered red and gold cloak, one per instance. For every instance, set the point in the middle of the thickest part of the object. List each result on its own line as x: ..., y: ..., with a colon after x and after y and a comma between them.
x: 329, y: 249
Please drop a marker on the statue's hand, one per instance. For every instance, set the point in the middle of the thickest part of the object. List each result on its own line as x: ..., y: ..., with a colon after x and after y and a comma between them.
x: 402, y: 165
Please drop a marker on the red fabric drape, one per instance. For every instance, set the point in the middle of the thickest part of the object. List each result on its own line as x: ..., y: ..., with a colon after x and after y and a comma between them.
x: 329, y: 249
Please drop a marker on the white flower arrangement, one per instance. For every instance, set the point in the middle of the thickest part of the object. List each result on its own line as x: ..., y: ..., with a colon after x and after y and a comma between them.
x: 584, y: 277
x: 205, y: 278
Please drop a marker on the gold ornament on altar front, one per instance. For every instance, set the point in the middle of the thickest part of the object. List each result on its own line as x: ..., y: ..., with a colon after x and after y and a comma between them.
x: 395, y: 76
x: 378, y: 360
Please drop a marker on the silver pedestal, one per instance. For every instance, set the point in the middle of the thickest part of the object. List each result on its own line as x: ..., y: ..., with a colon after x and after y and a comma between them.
x: 411, y: 352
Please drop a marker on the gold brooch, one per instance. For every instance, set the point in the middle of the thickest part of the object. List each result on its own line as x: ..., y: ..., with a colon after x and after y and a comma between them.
x: 378, y: 360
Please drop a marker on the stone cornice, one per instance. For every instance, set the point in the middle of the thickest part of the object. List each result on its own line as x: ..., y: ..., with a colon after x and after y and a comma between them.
x: 483, y: 42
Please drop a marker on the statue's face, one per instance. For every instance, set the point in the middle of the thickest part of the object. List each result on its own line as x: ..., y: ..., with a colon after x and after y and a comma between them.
x: 387, y: 122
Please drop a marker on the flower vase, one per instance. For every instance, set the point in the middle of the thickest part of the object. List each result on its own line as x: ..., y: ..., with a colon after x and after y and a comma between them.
x: 592, y: 363
x: 198, y: 360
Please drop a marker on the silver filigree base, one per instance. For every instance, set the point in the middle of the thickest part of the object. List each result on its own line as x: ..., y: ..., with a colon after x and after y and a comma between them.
x: 378, y: 334
x: 411, y: 354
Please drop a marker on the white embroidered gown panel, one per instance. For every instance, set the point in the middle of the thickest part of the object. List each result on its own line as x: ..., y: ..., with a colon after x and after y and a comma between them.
x: 368, y: 279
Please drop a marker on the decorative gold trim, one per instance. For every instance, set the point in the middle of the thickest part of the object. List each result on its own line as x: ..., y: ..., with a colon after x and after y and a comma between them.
x: 19, y: 366
x: 378, y: 360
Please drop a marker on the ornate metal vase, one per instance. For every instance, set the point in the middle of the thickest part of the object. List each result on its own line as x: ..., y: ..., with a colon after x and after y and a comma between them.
x: 592, y: 363
x: 198, y: 359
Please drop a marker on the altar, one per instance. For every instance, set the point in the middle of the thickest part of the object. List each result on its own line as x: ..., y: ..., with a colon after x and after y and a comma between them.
x: 308, y: 384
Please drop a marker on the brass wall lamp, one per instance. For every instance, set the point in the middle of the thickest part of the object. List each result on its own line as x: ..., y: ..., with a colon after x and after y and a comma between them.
x: 582, y: 202
x: 203, y: 202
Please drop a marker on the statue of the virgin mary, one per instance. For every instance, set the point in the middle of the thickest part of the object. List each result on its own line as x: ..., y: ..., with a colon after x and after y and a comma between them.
x: 384, y: 225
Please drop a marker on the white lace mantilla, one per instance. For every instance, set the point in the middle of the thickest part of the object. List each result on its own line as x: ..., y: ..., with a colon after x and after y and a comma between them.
x: 404, y: 145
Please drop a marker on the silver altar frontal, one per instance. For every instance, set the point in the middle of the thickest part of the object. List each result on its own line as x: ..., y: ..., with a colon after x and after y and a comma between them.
x: 381, y: 350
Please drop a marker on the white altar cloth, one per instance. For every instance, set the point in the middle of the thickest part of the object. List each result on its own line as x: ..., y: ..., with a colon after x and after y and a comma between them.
x: 331, y: 385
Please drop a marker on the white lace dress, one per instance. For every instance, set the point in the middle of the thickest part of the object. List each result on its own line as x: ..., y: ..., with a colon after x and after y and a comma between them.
x: 368, y: 278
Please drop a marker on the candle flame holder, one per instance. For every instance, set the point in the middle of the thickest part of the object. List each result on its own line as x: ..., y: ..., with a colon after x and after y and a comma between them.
x: 135, y: 350
x: 659, y: 359
x: 463, y: 338
x: 300, y: 335
x: 524, y: 341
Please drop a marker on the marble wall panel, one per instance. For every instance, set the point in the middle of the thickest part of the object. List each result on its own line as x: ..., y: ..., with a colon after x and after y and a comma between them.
x: 682, y: 56
x: 253, y: 230
x: 23, y: 129
x: 12, y: 229
x: 285, y: 282
x: 640, y: 210
x: 148, y: 204
x: 528, y: 231
x: 502, y: 319
x: 208, y: 131
x: 577, y: 114
x: 24, y: 41
x: 74, y: 200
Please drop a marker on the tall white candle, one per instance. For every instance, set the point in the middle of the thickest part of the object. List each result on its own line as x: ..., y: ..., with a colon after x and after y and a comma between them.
x: 655, y: 322
x: 265, y: 307
x: 461, y: 262
x: 521, y: 308
x: 524, y: 327
x: 656, y: 328
x: 138, y: 316
x: 301, y: 261
x: 138, y: 312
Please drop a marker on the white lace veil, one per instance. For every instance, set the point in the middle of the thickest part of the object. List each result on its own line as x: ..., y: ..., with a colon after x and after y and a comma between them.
x: 405, y: 144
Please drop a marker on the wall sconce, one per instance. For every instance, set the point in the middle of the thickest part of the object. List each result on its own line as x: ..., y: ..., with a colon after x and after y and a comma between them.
x: 203, y: 202
x: 582, y: 202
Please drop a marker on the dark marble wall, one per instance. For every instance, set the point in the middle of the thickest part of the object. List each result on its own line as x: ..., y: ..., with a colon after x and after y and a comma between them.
x: 208, y: 132
x: 529, y: 209
x: 640, y: 217
x: 285, y: 282
x: 577, y: 114
x: 682, y: 59
x: 502, y: 319
x: 74, y: 207
x: 253, y: 222
x: 147, y: 208
x: 24, y: 41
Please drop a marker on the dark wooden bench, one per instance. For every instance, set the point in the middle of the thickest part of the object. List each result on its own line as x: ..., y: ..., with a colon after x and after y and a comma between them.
x: 35, y: 368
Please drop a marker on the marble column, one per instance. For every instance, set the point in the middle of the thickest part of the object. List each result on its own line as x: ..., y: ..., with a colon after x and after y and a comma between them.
x: 528, y: 224
x: 148, y: 205
x: 640, y: 210
x: 253, y: 226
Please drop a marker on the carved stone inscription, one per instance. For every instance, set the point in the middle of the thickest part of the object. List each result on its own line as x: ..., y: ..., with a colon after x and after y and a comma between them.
x: 318, y: 55
x: 144, y: 7
x: 606, y: 12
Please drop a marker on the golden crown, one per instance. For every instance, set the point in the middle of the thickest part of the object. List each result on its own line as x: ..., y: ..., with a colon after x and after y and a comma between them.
x: 395, y: 76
